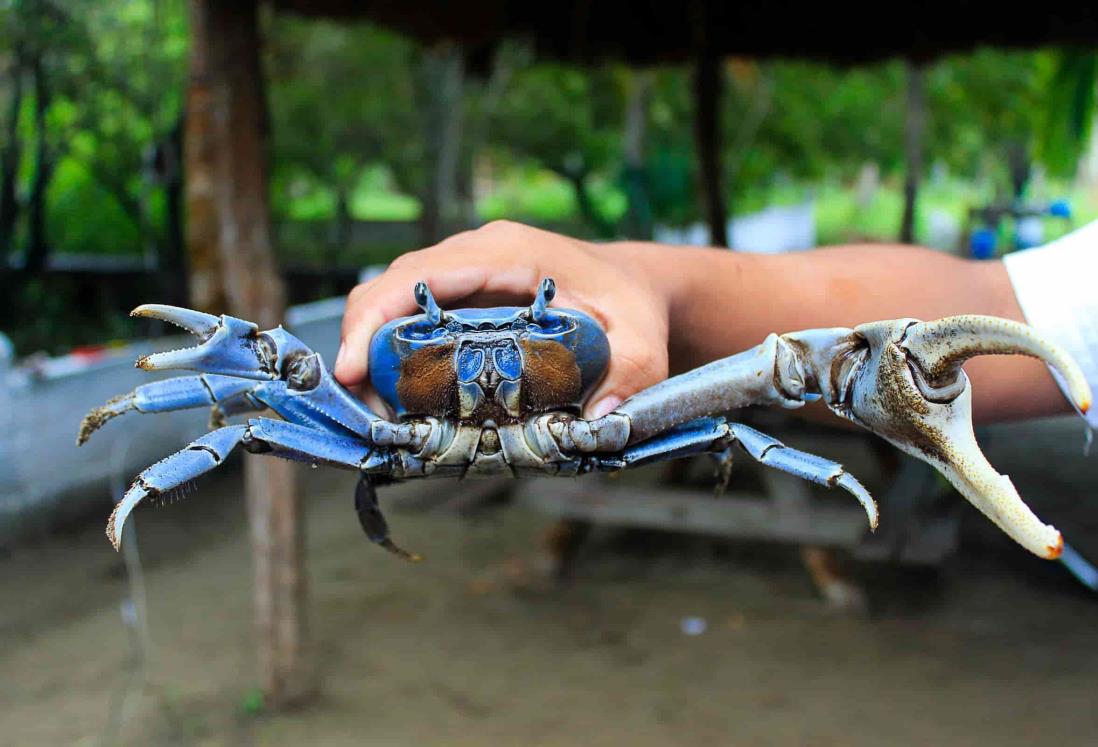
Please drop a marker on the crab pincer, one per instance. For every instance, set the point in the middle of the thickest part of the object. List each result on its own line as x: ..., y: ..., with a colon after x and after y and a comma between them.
x: 227, y: 345
x: 912, y: 392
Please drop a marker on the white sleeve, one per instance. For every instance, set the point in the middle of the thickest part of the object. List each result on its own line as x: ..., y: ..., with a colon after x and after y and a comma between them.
x: 1055, y: 286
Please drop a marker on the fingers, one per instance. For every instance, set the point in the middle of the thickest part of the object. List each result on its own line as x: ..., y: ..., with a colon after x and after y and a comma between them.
x: 390, y: 296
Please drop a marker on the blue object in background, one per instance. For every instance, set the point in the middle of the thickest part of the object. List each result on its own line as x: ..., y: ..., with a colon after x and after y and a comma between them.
x: 1029, y: 232
x: 1060, y: 209
x: 981, y: 245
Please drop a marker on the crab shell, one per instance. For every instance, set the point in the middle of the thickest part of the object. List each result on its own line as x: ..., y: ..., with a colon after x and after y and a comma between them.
x: 442, y: 366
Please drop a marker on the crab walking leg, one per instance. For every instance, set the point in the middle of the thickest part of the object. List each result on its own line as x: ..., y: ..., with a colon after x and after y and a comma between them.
x: 261, y: 435
x: 716, y: 435
x: 180, y: 393
x: 201, y: 456
x: 373, y: 521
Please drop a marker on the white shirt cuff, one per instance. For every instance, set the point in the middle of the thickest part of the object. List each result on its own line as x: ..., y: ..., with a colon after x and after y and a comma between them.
x: 1055, y: 286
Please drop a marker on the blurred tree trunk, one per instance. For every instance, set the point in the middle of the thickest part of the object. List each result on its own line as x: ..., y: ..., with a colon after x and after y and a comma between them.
x: 914, y: 127
x: 229, y: 218
x: 340, y: 239
x: 708, y: 89
x: 638, y: 214
x: 37, y: 246
x: 200, y: 164
x: 172, y: 262
x: 443, y: 71
x: 9, y: 159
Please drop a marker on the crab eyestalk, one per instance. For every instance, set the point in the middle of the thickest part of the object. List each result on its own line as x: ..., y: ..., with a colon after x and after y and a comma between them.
x: 912, y: 392
x: 547, y: 291
x: 426, y: 302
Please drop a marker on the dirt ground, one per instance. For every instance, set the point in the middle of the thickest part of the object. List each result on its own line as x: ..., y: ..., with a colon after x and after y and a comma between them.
x: 997, y: 648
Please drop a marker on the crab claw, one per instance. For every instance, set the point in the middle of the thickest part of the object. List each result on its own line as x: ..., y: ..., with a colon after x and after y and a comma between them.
x: 227, y: 345
x: 940, y: 348
x: 909, y: 389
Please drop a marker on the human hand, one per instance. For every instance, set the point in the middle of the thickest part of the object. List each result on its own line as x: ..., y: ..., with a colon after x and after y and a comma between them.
x: 502, y: 264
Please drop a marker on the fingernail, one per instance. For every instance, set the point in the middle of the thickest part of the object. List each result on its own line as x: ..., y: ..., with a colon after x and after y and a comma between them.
x: 604, y: 406
x: 340, y: 355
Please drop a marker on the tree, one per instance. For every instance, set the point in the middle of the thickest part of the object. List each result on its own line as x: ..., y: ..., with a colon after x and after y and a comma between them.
x: 569, y: 121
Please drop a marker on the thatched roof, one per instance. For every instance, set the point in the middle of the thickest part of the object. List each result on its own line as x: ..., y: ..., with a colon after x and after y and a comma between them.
x: 648, y: 31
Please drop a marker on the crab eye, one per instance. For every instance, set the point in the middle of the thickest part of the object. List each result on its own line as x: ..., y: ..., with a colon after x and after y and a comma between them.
x: 507, y: 361
x: 470, y: 362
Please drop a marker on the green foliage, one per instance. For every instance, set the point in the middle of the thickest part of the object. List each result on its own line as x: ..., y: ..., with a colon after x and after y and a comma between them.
x: 115, y: 74
x: 1067, y: 119
x: 342, y: 96
x: 353, y: 109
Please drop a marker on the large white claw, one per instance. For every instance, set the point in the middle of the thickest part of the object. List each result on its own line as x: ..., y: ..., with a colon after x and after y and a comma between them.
x: 941, y: 347
x: 912, y: 392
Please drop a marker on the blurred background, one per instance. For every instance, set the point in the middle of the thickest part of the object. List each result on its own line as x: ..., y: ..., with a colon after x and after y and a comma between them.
x: 262, y: 159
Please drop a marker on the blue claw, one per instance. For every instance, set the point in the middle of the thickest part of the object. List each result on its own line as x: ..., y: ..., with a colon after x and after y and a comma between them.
x: 228, y: 345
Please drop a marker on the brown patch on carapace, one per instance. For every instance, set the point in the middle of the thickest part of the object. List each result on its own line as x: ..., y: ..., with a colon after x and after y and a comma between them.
x: 428, y: 381
x: 551, y: 378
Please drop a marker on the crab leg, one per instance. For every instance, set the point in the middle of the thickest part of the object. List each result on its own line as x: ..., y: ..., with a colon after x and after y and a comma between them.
x: 201, y: 456
x: 260, y: 435
x: 900, y: 379
x: 179, y: 393
x: 373, y: 521
x: 715, y: 435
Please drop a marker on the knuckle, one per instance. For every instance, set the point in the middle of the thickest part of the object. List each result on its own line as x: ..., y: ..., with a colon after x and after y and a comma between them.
x: 406, y: 260
x: 503, y: 230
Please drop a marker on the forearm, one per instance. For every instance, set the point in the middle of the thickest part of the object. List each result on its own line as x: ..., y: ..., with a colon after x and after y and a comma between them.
x: 722, y: 302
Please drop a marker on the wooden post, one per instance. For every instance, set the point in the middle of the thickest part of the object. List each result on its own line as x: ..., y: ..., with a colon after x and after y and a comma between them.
x: 914, y: 127
x: 228, y: 214
x: 638, y: 213
x: 708, y: 88
x: 442, y: 72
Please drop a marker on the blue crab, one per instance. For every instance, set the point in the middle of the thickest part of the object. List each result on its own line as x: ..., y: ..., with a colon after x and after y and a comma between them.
x: 500, y: 391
